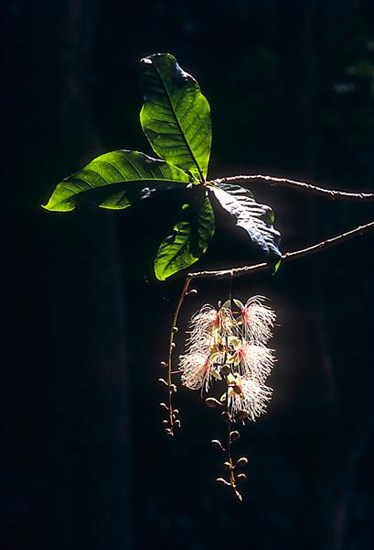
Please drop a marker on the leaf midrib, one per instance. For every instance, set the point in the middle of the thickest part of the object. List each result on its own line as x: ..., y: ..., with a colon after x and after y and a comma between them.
x: 202, y: 179
x: 75, y: 197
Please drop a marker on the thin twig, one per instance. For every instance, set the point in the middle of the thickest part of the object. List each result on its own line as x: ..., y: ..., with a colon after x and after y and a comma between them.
x: 287, y: 256
x: 171, y: 347
x: 228, y: 440
x: 228, y: 419
x: 302, y: 186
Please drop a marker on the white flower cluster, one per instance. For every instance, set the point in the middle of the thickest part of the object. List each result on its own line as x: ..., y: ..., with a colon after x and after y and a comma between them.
x: 231, y: 343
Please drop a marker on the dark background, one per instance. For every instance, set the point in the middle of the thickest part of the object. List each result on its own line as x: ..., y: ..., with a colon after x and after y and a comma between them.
x: 85, y: 463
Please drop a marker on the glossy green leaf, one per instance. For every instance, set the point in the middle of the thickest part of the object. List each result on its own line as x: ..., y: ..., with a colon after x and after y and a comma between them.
x: 116, y: 180
x: 256, y: 219
x: 189, y: 241
x: 176, y: 116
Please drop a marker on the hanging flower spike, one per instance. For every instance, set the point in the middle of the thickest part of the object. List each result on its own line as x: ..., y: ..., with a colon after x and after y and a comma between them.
x: 247, y: 396
x: 258, y: 320
x: 253, y: 360
x: 229, y: 344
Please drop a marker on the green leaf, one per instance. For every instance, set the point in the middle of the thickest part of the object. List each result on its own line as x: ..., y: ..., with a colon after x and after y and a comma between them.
x: 277, y: 266
x: 176, y: 116
x: 256, y: 219
x: 116, y: 180
x: 189, y: 241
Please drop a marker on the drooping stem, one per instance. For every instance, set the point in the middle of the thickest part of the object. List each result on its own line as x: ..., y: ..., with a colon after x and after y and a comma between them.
x: 230, y: 463
x: 298, y: 185
x: 228, y: 419
x: 360, y: 230
x: 171, y: 387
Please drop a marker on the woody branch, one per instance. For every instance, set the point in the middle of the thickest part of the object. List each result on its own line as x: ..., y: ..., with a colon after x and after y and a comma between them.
x: 298, y: 185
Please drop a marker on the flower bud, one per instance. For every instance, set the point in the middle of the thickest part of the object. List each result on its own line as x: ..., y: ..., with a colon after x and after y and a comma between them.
x: 217, y: 445
x: 213, y: 403
x: 234, y: 435
x: 223, y: 481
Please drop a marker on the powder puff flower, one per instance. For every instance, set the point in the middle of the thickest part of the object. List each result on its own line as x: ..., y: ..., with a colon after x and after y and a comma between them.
x: 246, y: 397
x: 258, y: 320
x: 209, y: 326
x: 205, y: 320
x: 197, y: 370
x: 253, y: 360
